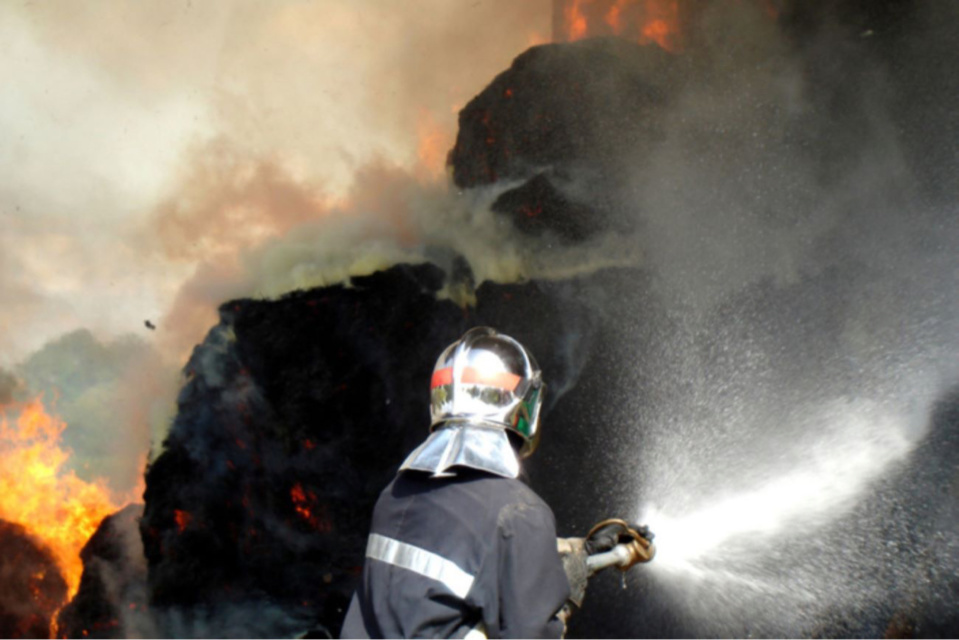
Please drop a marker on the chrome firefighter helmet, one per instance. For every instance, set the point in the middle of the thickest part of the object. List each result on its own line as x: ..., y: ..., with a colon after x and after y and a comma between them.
x: 488, y: 379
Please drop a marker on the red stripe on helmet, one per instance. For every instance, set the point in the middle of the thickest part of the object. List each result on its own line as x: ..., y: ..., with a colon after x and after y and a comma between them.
x: 441, y: 377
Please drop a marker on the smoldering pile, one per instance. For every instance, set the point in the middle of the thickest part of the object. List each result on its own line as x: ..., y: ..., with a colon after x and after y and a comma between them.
x: 296, y: 414
x: 296, y: 411
x: 31, y: 587
x: 111, y: 599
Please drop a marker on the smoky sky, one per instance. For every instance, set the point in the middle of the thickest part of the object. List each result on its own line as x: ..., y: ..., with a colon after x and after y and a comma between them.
x: 116, y: 109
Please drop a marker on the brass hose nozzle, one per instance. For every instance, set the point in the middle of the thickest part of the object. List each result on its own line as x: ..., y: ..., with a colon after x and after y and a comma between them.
x: 632, y: 549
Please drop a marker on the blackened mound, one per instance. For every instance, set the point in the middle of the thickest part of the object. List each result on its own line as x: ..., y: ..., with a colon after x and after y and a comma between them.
x: 31, y: 586
x: 112, y: 593
x: 560, y: 108
x: 560, y: 104
x: 292, y: 417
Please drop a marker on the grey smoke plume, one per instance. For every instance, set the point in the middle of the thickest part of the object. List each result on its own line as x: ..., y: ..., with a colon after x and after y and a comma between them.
x: 107, y: 393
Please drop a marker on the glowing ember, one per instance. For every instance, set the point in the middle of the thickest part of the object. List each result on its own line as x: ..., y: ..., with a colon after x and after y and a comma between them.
x: 305, y: 504
x: 182, y: 518
x: 298, y: 496
x: 55, y: 506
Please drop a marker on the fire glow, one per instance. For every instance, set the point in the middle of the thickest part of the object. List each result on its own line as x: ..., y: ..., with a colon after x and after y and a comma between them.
x: 59, y: 509
x: 646, y: 21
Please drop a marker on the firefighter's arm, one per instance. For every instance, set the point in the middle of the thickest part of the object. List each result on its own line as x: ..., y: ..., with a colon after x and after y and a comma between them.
x: 533, y: 586
x: 573, y: 553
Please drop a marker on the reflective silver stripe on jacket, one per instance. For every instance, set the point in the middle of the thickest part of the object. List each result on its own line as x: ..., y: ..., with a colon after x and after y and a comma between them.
x: 421, y: 561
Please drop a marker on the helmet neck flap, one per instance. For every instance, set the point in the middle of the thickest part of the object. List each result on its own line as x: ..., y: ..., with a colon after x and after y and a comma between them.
x: 465, y: 445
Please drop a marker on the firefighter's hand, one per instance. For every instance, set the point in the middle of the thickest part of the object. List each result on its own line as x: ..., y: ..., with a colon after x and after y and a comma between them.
x: 608, y: 536
x: 604, y: 538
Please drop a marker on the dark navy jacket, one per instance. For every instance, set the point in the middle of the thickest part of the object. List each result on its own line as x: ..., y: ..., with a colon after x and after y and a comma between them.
x: 450, y: 555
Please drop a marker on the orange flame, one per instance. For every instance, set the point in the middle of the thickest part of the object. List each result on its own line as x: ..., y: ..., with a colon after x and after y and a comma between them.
x: 55, y: 506
x: 645, y: 20
x: 576, y: 23
x: 661, y: 24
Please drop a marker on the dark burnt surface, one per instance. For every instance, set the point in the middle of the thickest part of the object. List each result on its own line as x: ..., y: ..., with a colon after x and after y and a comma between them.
x: 562, y: 103
x: 31, y: 587
x: 560, y: 109
x: 872, y: 73
x: 537, y: 207
x: 292, y: 418
x: 113, y: 587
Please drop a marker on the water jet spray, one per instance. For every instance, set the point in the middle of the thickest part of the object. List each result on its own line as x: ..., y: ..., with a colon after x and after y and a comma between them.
x: 858, y: 444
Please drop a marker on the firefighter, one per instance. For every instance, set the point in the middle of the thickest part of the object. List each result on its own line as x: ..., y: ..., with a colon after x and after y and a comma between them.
x: 459, y: 546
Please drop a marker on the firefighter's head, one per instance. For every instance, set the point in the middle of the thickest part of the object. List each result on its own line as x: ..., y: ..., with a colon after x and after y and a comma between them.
x: 488, y: 380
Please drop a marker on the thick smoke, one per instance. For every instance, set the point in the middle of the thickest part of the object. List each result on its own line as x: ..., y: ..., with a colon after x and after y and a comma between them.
x: 291, y: 237
x: 107, y: 393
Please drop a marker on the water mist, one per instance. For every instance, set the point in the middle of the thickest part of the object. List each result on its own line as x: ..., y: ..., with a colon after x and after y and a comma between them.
x: 789, y: 427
